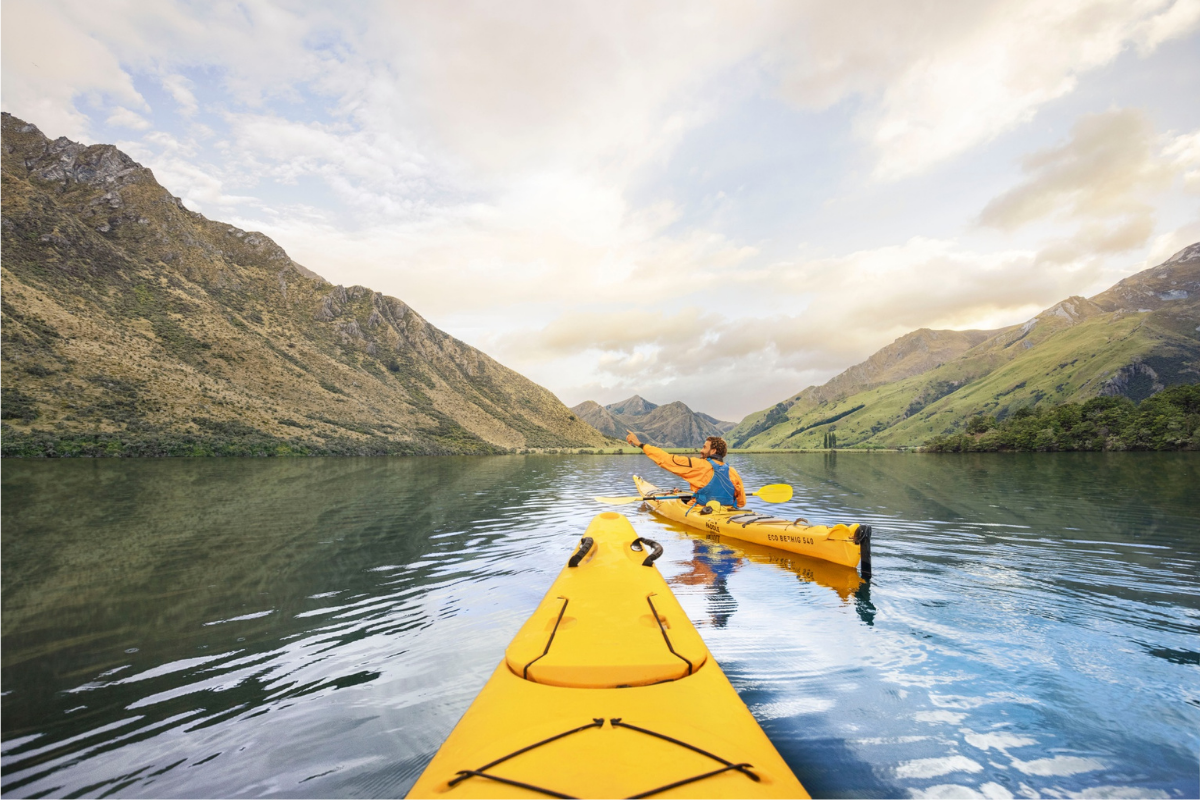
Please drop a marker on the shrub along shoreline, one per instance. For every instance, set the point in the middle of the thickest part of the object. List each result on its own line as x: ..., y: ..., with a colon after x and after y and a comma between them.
x: 1169, y: 420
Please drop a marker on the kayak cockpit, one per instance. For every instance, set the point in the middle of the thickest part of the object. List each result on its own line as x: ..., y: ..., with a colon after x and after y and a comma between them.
x: 608, y: 626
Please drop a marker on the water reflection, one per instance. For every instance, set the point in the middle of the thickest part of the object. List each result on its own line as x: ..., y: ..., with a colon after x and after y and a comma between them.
x: 316, y: 627
x: 709, y: 567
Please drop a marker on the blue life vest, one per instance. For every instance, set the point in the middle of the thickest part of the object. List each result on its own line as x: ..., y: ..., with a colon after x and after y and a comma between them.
x: 719, y: 487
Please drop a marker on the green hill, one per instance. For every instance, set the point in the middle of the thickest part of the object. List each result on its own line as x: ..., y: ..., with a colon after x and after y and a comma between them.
x: 133, y: 326
x: 1132, y: 340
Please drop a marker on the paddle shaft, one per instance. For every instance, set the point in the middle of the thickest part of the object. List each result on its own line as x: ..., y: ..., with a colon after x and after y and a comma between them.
x: 775, y: 493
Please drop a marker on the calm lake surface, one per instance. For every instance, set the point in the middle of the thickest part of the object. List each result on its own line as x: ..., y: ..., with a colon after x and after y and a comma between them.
x: 315, y: 627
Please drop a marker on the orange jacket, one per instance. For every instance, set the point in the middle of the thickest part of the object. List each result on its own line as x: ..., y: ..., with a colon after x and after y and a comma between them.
x: 696, y: 471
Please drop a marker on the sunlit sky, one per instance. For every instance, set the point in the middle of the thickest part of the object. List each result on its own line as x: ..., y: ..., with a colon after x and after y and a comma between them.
x: 714, y: 203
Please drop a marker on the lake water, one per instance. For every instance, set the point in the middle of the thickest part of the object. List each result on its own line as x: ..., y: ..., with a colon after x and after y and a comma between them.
x: 315, y: 627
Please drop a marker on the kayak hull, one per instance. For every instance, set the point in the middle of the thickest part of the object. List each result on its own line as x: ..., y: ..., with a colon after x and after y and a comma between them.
x: 839, y: 544
x: 529, y: 735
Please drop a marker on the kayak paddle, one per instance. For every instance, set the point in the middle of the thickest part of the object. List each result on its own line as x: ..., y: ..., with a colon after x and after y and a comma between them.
x: 774, y: 493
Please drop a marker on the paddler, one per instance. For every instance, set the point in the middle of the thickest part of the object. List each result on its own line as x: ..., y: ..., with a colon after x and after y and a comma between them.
x: 708, y: 476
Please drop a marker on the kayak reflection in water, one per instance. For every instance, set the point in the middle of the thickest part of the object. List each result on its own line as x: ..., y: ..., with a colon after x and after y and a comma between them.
x: 711, y: 567
x: 707, y: 476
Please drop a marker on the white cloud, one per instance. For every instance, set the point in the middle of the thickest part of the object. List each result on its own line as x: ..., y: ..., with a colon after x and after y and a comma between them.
x: 128, y: 119
x: 585, y: 87
x: 1108, y: 178
x: 175, y: 166
x: 180, y: 88
x: 1181, y: 18
x: 939, y: 79
x: 1104, y: 170
x: 49, y: 61
x: 1018, y: 57
x: 1168, y: 244
x: 1184, y: 154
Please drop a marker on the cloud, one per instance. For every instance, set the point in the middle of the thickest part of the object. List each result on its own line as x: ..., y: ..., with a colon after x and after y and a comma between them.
x: 180, y: 88
x: 583, y: 87
x: 1184, y: 154
x: 128, y: 119
x: 1098, y: 238
x: 929, y: 283
x: 1021, y: 56
x: 1182, y: 17
x: 176, y: 167
x: 623, y: 331
x: 49, y: 61
x: 1106, y: 178
x: 1104, y: 170
x: 589, y: 88
x: 941, y: 78
x: 1168, y: 244
x: 371, y: 171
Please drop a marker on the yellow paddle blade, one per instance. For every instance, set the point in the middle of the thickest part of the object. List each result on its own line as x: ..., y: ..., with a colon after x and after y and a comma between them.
x: 616, y: 501
x: 775, y: 493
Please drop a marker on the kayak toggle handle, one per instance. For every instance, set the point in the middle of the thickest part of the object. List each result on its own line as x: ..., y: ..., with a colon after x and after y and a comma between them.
x: 655, y: 547
x: 585, y: 546
x: 862, y: 538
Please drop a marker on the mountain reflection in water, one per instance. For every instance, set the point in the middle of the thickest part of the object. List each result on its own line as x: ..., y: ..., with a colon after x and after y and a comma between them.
x: 315, y: 627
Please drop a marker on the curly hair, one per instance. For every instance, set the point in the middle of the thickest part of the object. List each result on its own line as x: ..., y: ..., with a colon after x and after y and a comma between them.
x: 718, y: 446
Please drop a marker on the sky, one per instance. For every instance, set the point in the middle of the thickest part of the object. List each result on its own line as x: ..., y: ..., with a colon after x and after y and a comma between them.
x: 719, y: 203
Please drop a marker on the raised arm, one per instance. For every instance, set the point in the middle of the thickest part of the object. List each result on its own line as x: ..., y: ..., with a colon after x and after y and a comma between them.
x: 696, y: 471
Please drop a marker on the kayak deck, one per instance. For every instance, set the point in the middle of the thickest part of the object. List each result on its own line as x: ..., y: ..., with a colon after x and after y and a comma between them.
x: 608, y: 690
x: 847, y: 545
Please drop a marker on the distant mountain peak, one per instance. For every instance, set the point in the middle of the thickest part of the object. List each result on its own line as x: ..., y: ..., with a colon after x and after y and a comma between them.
x: 635, y: 406
x: 1189, y: 253
x: 670, y: 425
x: 1174, y: 282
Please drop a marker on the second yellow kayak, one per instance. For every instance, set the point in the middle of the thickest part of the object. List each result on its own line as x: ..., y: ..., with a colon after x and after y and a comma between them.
x: 848, y: 545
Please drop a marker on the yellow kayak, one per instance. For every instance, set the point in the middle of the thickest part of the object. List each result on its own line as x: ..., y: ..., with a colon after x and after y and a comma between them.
x: 608, y: 691
x: 847, y: 545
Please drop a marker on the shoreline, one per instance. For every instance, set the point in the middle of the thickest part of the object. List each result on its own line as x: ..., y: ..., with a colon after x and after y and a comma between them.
x: 99, y: 451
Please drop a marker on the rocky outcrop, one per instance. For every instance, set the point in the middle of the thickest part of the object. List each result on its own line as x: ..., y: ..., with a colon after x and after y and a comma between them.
x: 133, y: 325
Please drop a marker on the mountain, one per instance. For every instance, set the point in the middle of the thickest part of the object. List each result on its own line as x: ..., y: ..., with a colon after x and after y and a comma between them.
x: 633, y: 407
x: 671, y: 425
x: 600, y: 418
x: 721, y: 425
x: 132, y: 325
x: 1133, y: 340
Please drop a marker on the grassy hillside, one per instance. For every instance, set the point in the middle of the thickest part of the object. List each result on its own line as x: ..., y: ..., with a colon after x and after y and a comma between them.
x: 1077, y: 350
x: 132, y: 326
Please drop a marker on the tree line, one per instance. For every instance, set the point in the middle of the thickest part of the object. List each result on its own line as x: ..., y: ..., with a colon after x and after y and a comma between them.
x: 1169, y: 420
